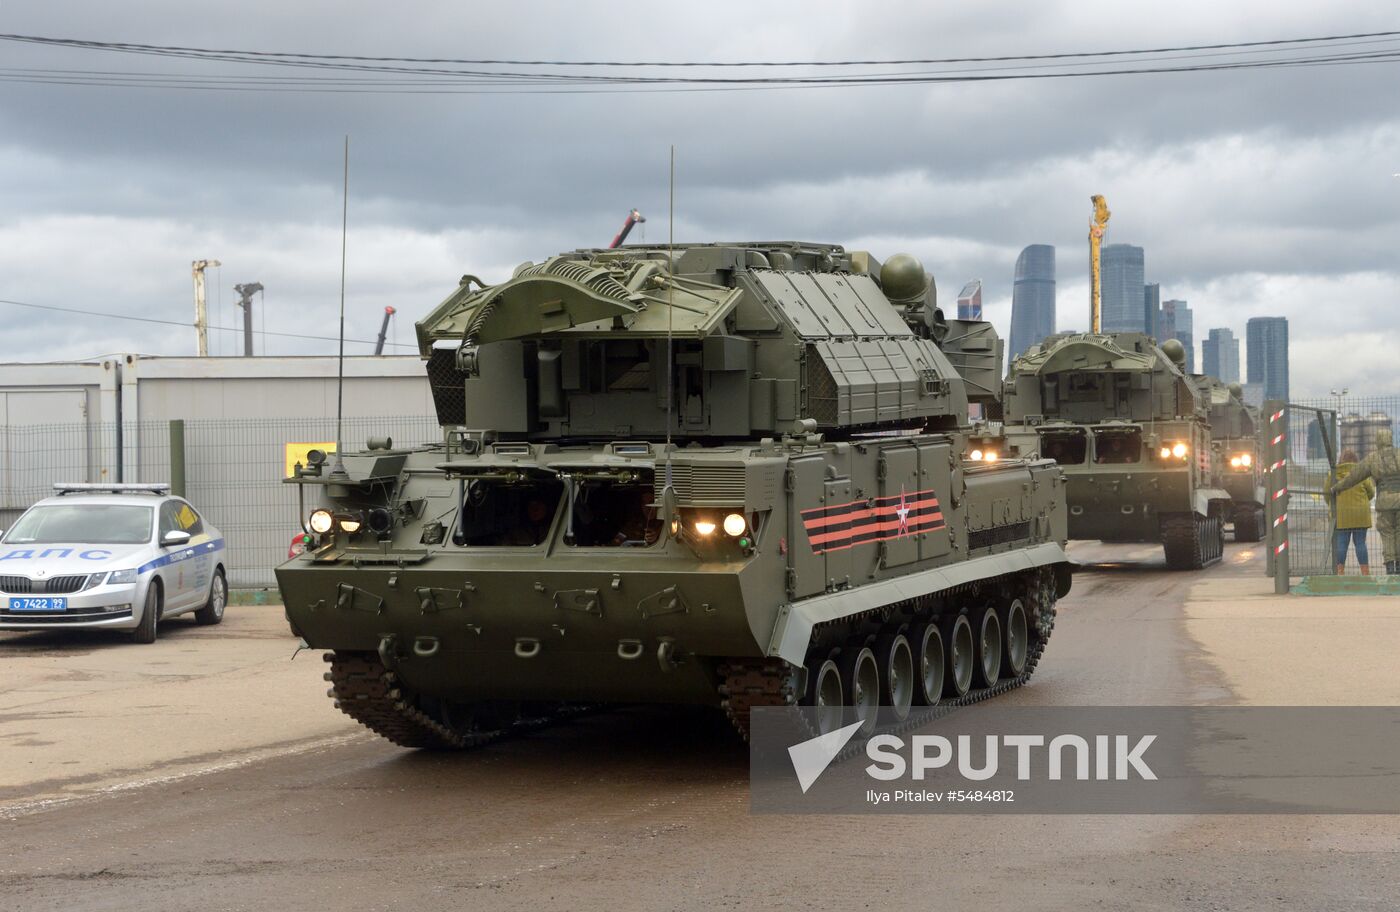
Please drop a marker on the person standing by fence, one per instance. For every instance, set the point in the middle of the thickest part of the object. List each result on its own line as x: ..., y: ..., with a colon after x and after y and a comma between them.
x: 1383, y: 465
x: 1353, y: 508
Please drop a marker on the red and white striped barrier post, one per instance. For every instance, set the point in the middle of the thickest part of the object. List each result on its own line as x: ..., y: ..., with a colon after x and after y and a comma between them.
x: 1276, y: 491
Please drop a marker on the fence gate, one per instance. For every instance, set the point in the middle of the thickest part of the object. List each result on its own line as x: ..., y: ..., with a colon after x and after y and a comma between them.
x: 1300, y: 447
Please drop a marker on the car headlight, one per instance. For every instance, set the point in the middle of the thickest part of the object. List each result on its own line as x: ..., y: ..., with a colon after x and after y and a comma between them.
x: 121, y: 577
x: 321, y: 521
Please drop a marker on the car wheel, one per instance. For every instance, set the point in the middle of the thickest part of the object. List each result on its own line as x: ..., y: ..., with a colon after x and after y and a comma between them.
x: 145, y: 632
x: 213, y: 610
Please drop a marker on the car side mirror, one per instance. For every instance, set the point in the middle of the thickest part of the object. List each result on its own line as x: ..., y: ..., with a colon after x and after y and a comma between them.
x: 174, y: 538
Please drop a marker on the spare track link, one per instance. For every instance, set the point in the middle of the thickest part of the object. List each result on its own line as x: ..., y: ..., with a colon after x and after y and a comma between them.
x: 370, y: 694
x: 1190, y: 542
x: 772, y: 682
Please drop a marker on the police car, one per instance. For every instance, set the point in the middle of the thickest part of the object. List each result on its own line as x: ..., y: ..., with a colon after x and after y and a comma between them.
x: 117, y: 557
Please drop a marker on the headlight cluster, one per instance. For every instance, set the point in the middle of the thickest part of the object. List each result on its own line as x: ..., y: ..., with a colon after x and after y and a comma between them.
x: 1241, y: 460
x: 323, y: 520
x: 705, y: 525
x: 977, y: 455
x: 1176, y: 450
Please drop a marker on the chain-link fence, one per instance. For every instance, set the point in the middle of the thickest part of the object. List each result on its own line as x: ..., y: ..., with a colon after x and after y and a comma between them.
x: 1348, y: 425
x: 233, y: 471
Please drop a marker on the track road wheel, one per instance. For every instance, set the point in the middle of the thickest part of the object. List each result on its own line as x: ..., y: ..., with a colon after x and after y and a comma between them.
x: 1017, y: 640
x: 860, y: 677
x: 1183, y: 541
x: 928, y: 643
x: 960, y: 655
x: 212, y: 612
x: 145, y: 631
x: 1249, y: 524
x: 897, y: 679
x: 825, y: 695
x: 988, y: 648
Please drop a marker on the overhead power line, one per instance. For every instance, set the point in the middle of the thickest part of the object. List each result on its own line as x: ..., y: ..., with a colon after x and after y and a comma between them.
x: 359, y: 74
x: 179, y: 49
x: 181, y: 323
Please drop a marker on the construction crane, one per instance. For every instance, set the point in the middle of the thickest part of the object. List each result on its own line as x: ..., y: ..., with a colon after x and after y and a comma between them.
x: 1096, y: 230
x: 383, y: 331
x: 245, y: 301
x: 201, y: 312
x: 633, y: 218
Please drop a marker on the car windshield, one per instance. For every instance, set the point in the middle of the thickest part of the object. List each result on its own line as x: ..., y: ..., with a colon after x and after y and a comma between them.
x: 84, y: 524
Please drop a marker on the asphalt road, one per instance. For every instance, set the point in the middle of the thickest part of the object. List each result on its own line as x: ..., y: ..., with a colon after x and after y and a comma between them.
x: 209, y: 772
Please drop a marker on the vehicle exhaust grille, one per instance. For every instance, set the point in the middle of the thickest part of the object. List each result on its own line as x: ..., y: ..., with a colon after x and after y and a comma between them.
x: 998, y: 535
x: 705, y: 485
x: 449, y: 387
x: 823, y: 401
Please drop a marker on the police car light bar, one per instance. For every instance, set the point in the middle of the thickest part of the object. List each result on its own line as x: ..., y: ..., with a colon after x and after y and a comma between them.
x: 80, y: 487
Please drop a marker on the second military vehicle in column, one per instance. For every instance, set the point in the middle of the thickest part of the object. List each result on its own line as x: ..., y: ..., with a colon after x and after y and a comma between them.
x: 1131, y: 430
x: 733, y: 474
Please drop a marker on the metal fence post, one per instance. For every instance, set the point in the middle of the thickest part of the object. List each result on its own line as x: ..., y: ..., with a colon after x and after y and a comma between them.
x: 177, y: 457
x: 1276, y: 490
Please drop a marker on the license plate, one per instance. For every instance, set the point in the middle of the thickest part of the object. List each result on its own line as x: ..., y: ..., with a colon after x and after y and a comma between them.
x: 39, y: 604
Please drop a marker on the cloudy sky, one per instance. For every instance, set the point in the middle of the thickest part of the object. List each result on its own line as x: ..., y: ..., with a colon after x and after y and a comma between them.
x: 1254, y: 192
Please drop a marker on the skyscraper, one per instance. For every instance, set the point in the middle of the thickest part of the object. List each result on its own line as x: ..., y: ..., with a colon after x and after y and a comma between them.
x: 1151, y: 307
x: 1123, y: 288
x: 1220, y: 355
x: 1266, y: 355
x: 1179, y: 317
x: 970, y: 301
x: 1032, y: 298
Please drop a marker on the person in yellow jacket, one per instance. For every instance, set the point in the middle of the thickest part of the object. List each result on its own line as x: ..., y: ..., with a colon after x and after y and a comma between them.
x: 1383, y: 465
x: 1353, y: 515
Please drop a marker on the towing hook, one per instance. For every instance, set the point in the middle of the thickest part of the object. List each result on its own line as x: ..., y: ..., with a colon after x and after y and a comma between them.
x: 666, y: 654
x: 388, y: 651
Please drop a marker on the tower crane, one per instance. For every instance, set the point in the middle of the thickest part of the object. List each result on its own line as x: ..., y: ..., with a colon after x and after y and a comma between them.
x: 383, y: 331
x: 1096, y: 230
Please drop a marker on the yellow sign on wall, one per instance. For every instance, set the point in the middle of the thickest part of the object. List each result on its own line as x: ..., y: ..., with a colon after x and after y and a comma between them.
x: 296, y: 452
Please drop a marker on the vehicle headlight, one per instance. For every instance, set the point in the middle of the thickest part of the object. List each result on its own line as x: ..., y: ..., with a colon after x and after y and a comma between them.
x: 990, y: 456
x: 734, y: 525
x: 350, y: 524
x: 120, y: 577
x: 704, y: 528
x: 1179, y: 450
x: 1246, y: 459
x: 1165, y: 453
x: 1235, y: 462
x: 975, y: 455
x: 321, y: 521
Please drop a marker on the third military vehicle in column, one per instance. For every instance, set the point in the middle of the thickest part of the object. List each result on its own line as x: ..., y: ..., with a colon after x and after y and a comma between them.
x: 727, y: 474
x: 1132, y: 431
x: 1234, y: 434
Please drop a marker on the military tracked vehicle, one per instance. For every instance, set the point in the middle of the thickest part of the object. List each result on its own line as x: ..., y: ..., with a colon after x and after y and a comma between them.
x: 1234, y: 434
x: 1132, y: 431
x: 728, y: 474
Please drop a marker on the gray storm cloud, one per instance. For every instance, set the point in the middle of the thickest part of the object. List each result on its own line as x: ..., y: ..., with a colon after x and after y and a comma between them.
x: 1253, y: 192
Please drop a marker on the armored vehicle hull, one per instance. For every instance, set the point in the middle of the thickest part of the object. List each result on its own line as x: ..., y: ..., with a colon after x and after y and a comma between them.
x: 1130, y: 430
x: 1234, y: 432
x: 859, y: 560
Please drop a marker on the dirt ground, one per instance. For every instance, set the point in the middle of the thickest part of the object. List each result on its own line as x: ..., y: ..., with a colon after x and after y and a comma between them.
x: 209, y: 771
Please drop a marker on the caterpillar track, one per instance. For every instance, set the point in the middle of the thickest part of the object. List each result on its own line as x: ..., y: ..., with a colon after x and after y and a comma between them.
x: 372, y: 695
x: 1192, y: 542
x: 773, y: 683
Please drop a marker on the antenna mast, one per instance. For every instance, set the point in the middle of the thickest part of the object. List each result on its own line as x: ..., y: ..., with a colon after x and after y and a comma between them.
x: 339, y: 467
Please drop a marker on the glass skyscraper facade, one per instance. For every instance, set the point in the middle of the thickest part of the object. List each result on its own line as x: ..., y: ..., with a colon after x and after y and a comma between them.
x: 1266, y: 355
x: 1124, y: 289
x: 1177, y: 322
x: 1032, y: 298
x: 1220, y: 355
x: 1151, y: 307
x: 970, y: 301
